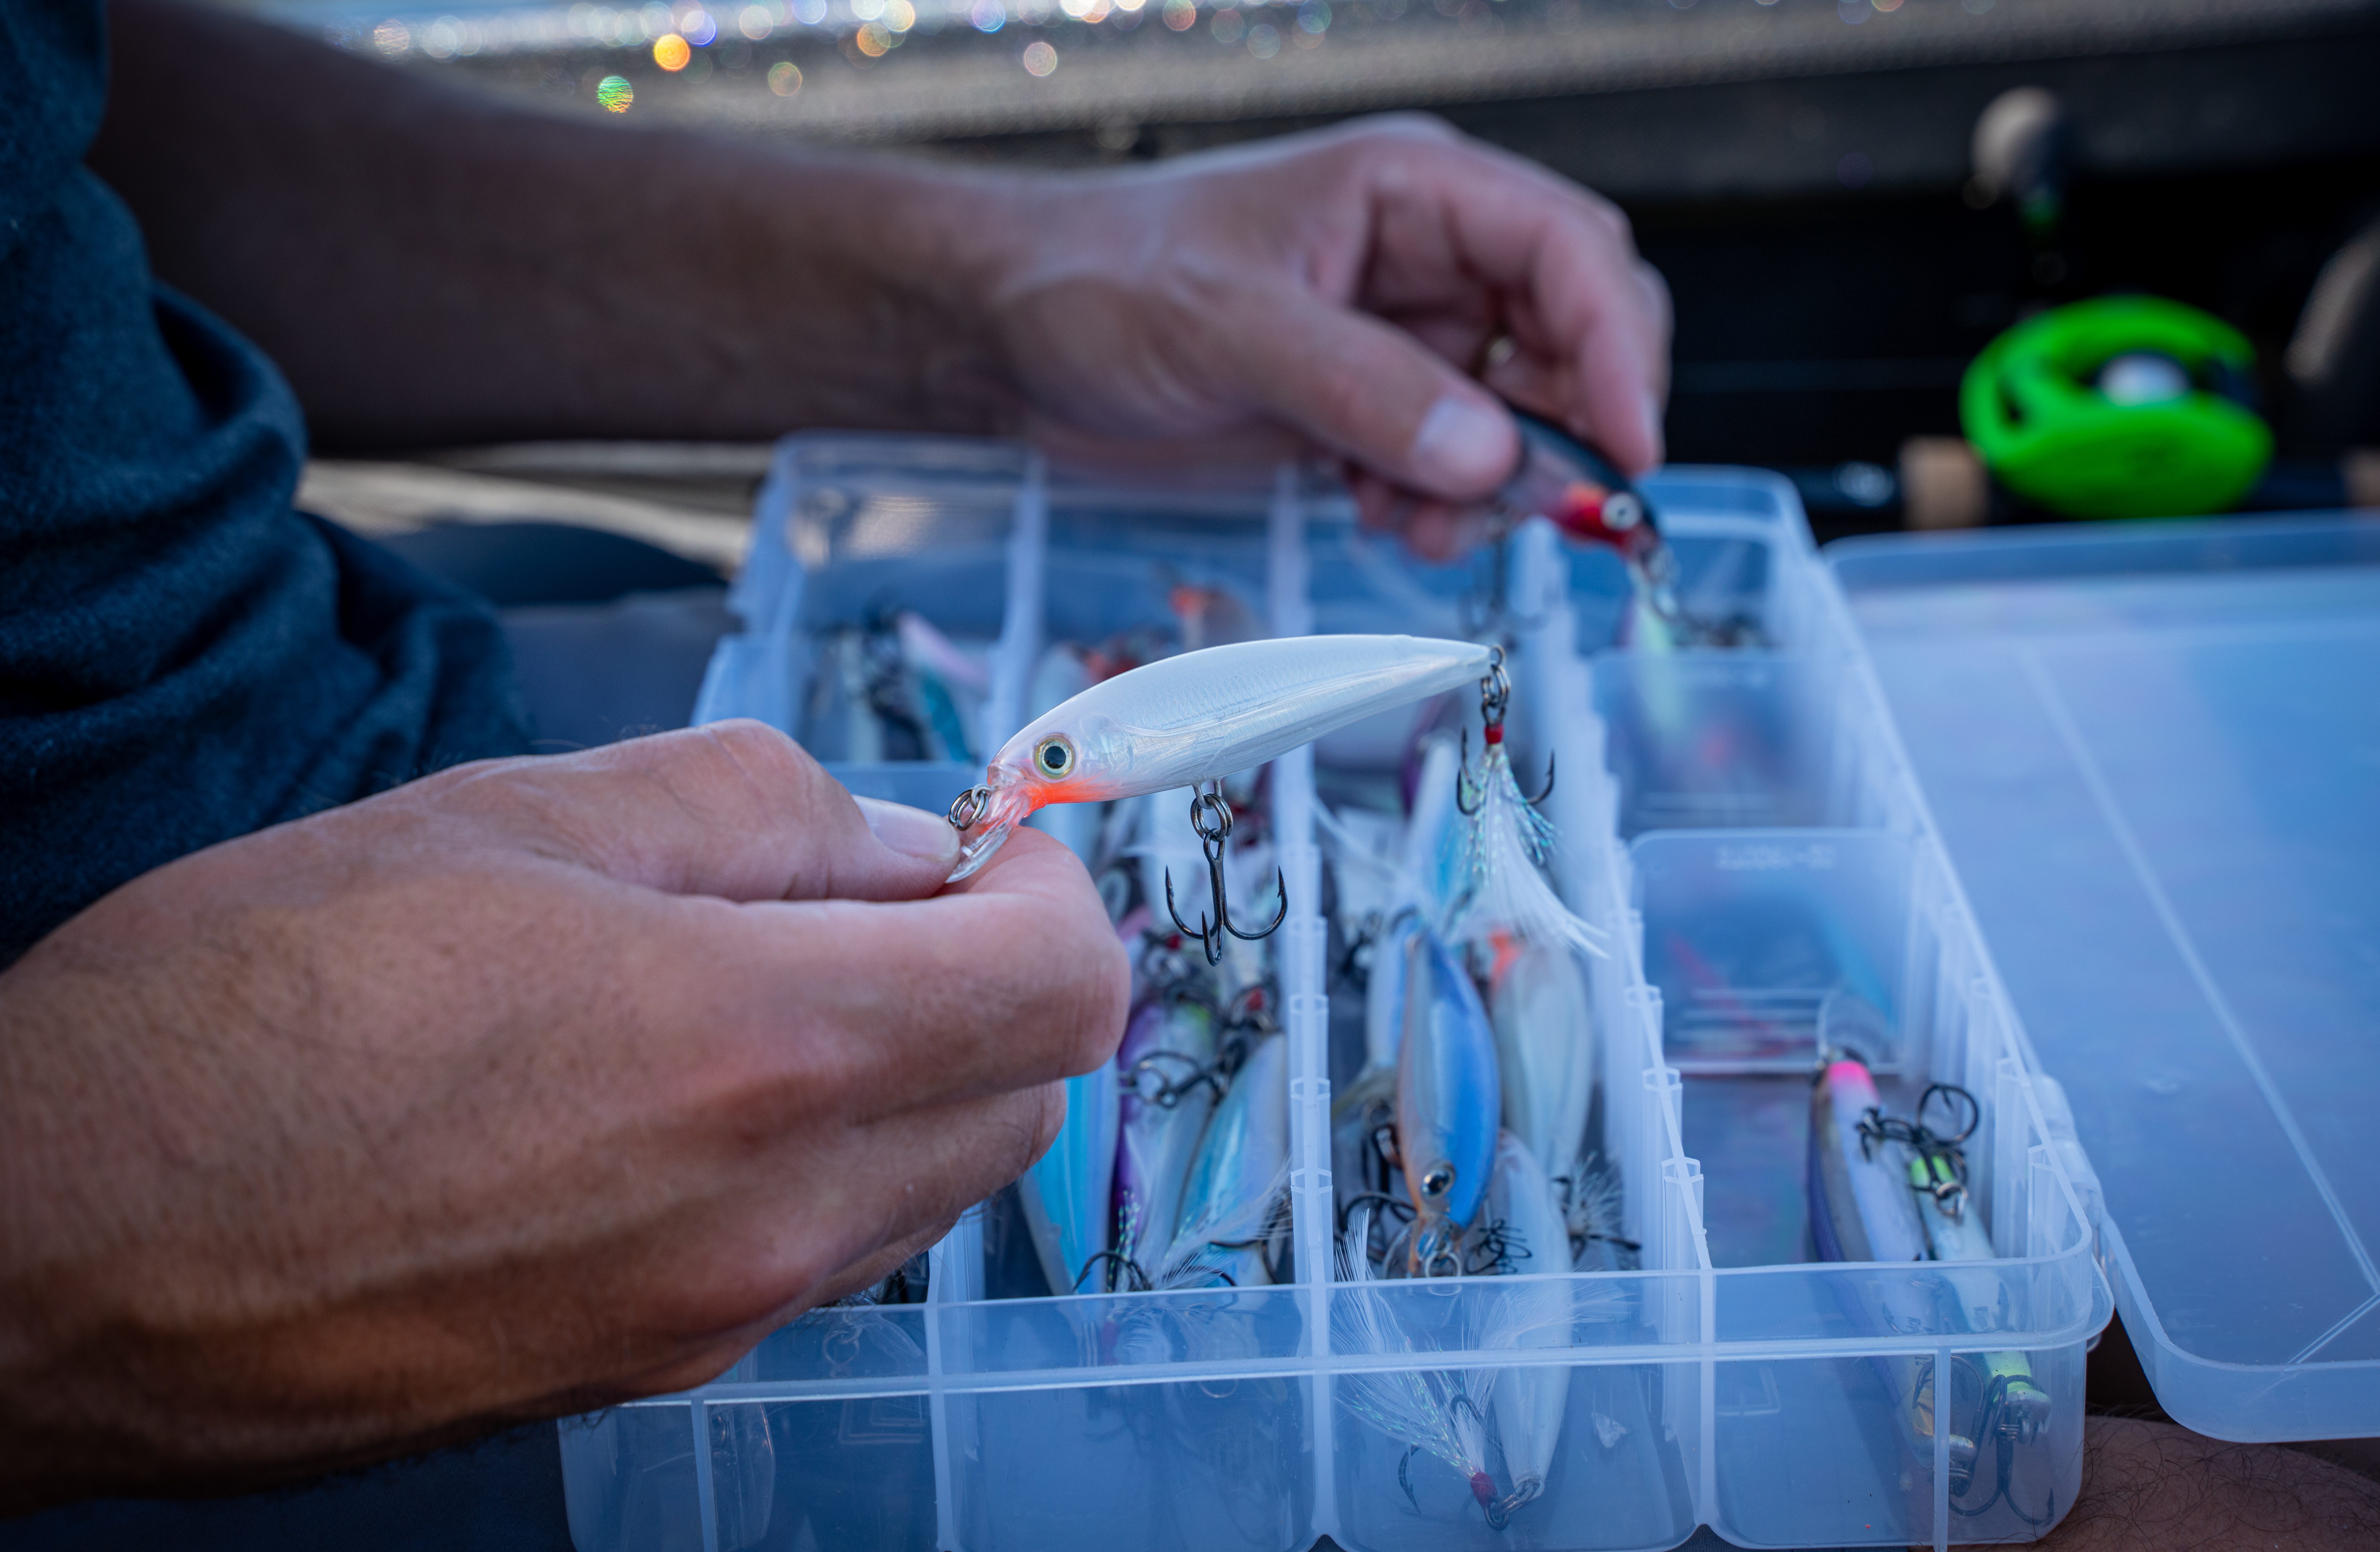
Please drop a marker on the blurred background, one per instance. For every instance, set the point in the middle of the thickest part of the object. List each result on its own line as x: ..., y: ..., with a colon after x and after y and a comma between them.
x: 1851, y: 199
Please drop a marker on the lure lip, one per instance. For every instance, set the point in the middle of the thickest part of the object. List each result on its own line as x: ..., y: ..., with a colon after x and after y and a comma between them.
x: 996, y: 808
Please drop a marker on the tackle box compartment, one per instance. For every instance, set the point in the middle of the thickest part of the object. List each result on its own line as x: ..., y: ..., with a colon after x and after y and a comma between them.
x: 1724, y: 1381
x: 2152, y: 750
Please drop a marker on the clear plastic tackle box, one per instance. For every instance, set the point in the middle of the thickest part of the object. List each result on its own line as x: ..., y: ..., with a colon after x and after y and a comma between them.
x: 1748, y: 830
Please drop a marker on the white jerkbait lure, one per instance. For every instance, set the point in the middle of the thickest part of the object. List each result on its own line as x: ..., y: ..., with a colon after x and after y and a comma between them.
x: 1200, y: 717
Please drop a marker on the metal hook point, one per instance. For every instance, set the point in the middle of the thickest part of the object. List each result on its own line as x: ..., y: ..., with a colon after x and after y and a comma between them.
x: 1210, y: 815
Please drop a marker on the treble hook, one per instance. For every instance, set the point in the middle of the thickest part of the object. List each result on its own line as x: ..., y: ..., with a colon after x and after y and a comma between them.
x: 1495, y: 694
x: 1211, y: 817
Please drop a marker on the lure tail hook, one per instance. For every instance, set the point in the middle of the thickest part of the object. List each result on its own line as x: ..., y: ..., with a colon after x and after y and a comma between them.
x: 1210, y: 815
x: 1470, y: 791
x: 1495, y: 694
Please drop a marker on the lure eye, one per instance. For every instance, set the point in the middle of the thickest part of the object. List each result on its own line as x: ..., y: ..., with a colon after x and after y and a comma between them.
x: 1438, y: 1181
x: 1053, y: 757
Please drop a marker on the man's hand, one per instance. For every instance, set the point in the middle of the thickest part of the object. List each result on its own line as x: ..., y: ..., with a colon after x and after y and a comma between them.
x: 1342, y: 286
x: 519, y: 1090
x: 501, y: 275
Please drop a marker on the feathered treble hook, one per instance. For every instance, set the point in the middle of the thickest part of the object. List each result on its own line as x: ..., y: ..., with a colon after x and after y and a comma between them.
x: 1210, y: 815
x: 1495, y: 694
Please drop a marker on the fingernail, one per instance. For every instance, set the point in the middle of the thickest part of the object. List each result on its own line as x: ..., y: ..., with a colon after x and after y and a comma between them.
x: 1463, y: 447
x: 910, y: 831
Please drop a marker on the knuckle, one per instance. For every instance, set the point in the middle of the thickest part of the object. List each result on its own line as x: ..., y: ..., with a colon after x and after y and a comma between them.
x: 744, y: 751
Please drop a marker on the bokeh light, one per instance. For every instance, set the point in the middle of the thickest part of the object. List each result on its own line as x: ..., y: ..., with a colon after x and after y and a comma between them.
x: 1181, y: 14
x: 873, y: 39
x: 988, y: 16
x: 670, y: 52
x: 1263, y: 40
x: 1039, y: 59
x: 899, y: 15
x: 1313, y: 17
x: 699, y: 26
x: 785, y: 78
x: 615, y: 94
x: 393, y: 39
x: 1227, y: 26
x: 756, y: 23
x: 809, y: 13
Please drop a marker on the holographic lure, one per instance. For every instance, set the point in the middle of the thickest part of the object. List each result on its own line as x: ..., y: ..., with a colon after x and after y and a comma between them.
x: 1167, y: 1061
x: 1449, y: 1098
x: 1544, y: 1048
x: 1199, y: 716
x: 1232, y: 1202
x: 1066, y: 1194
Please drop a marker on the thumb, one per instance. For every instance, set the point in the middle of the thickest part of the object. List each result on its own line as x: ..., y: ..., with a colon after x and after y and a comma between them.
x: 1372, y: 393
x: 736, y: 810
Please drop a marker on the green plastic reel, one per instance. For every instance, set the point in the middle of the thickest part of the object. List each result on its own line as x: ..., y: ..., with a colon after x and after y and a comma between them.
x: 2125, y: 407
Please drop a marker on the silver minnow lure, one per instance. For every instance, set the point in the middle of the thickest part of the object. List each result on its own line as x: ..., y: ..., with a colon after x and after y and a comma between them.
x: 1200, y: 715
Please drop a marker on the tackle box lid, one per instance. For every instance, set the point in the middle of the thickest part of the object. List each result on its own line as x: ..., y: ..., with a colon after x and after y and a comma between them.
x: 2153, y: 751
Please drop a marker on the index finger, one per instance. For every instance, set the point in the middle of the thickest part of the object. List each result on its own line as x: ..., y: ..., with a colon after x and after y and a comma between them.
x: 1565, y: 264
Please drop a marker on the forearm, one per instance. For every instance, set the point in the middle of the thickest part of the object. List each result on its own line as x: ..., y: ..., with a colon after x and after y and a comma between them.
x: 430, y: 268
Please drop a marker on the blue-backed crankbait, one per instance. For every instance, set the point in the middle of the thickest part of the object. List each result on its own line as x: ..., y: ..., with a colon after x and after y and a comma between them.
x: 1449, y: 1099
x: 1066, y: 1195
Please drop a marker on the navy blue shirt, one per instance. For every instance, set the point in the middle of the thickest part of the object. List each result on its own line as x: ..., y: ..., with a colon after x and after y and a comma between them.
x: 183, y: 658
